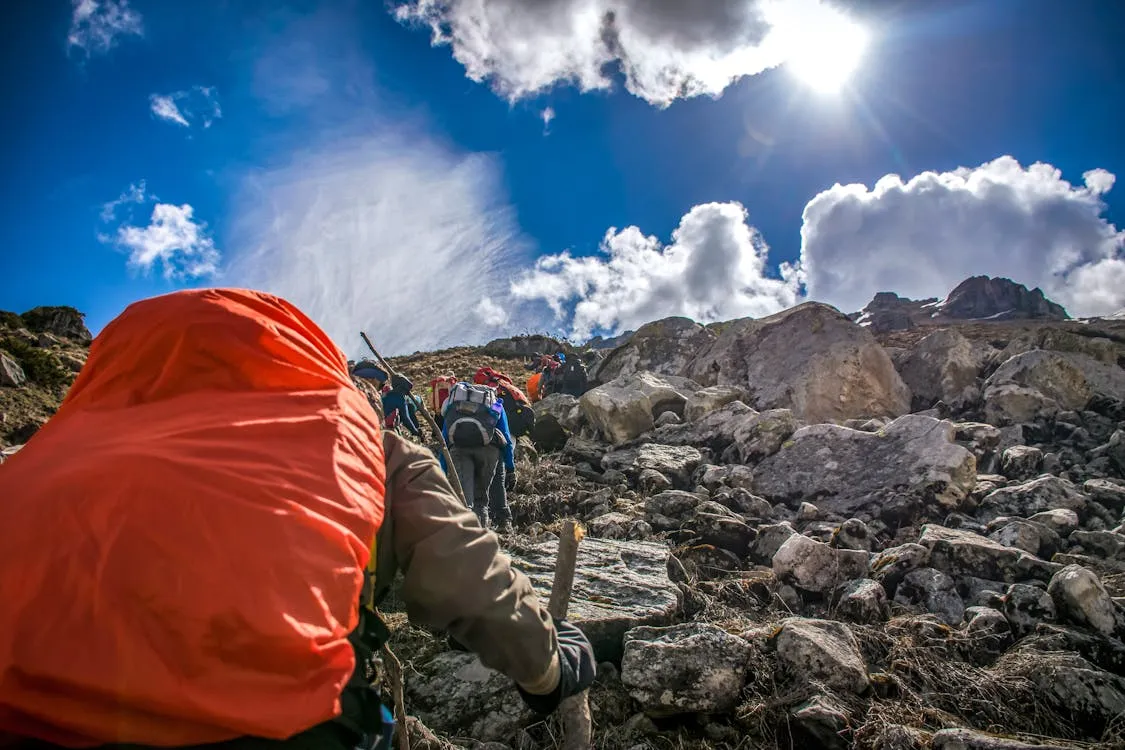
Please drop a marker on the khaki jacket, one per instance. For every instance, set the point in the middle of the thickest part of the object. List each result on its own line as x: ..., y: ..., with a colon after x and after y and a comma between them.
x: 455, y: 576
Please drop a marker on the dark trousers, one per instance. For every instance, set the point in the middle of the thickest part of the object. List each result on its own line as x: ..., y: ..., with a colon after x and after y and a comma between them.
x: 476, y: 467
x: 498, y: 509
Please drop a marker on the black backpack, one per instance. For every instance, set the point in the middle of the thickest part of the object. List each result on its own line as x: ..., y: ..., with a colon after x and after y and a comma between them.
x: 571, y: 378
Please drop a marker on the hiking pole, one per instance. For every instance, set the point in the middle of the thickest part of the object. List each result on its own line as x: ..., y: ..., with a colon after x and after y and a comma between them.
x: 574, y: 712
x: 451, y: 470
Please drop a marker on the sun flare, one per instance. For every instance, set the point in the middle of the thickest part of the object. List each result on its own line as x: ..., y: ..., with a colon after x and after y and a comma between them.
x: 825, y: 51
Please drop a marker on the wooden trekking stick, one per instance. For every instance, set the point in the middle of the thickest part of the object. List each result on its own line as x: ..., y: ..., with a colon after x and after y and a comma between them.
x: 451, y: 470
x: 574, y: 713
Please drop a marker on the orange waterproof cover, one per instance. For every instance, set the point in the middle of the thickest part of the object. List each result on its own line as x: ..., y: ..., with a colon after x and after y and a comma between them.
x: 182, y: 546
x: 533, y: 386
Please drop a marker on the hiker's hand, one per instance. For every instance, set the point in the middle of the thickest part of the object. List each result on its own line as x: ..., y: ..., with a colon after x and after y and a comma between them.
x: 577, y: 669
x: 510, y: 480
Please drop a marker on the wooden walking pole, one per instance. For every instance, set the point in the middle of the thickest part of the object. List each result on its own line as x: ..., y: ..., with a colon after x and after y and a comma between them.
x: 451, y: 470
x: 574, y: 713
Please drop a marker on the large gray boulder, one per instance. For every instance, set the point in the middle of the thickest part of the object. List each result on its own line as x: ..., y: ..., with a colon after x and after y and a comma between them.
x: 824, y: 652
x: 689, y: 668
x: 627, y: 407
x: 846, y: 471
x: 942, y: 367
x: 664, y: 347
x: 618, y: 586
x: 811, y: 359
x: 1034, y: 384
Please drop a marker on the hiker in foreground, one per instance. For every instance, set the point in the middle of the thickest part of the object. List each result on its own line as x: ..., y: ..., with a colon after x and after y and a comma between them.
x: 193, y: 546
x: 476, y: 430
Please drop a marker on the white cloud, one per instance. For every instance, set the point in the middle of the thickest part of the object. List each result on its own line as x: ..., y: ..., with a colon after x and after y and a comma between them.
x: 490, y: 313
x: 547, y: 116
x: 665, y: 49
x: 165, y: 108
x: 400, y: 237
x: 96, y: 25
x: 135, y: 193
x: 714, y: 269
x: 197, y: 104
x: 174, y: 240
x: 922, y: 237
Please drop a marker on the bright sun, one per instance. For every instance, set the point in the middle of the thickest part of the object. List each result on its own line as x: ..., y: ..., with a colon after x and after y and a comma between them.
x: 825, y: 56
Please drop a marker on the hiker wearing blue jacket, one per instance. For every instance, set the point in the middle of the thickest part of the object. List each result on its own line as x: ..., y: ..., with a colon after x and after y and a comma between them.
x: 476, y: 430
x: 400, y: 402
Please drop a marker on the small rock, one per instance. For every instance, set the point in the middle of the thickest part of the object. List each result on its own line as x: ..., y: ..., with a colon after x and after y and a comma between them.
x: 1081, y: 598
x: 1026, y: 606
x: 1029, y: 536
x: 667, y: 418
x: 988, y: 628
x: 807, y: 512
x: 1040, y: 494
x: 689, y: 668
x: 968, y: 739
x: 1088, y: 696
x: 933, y: 590
x: 960, y: 553
x: 724, y: 530
x: 672, y: 503
x: 741, y: 501
x: 1052, y: 464
x: 1104, y: 544
x: 863, y: 601
x: 1060, y: 520
x: 822, y: 651
x: 816, y: 567
x: 1021, y: 462
x: 1106, y: 492
x: 769, y: 541
x: 734, y: 476
x: 651, y: 481
x: 891, y: 565
x: 11, y: 374
x: 823, y: 721
x: 853, y: 534
x: 674, y: 461
x: 707, y: 400
x: 457, y: 695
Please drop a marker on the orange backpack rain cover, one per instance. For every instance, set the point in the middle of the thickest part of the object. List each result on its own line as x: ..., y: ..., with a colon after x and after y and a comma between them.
x: 182, y: 546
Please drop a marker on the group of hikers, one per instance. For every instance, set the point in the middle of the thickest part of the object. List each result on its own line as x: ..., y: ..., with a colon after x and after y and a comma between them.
x: 195, y: 546
x: 479, y: 422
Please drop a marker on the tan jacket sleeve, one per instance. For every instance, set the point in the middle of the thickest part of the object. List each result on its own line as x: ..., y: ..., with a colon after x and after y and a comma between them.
x: 456, y: 578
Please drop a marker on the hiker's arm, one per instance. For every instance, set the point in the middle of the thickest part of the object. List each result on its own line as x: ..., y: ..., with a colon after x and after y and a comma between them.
x: 410, y: 417
x: 456, y: 578
x: 509, y: 444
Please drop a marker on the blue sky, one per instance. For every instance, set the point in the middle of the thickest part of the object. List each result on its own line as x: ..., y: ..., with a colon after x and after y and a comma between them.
x: 328, y: 152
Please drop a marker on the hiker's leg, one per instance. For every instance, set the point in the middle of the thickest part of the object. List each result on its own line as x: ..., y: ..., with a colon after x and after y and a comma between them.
x: 487, y: 457
x: 498, y: 496
x: 466, y: 467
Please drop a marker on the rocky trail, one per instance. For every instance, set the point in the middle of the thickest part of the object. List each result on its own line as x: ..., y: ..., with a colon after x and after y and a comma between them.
x: 803, y: 533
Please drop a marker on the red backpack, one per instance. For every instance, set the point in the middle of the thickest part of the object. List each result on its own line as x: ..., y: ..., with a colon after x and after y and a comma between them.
x: 440, y: 388
x: 502, y: 383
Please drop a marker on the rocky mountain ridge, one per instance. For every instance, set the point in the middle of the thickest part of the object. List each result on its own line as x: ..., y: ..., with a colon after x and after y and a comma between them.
x: 977, y: 298
x: 804, y: 533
